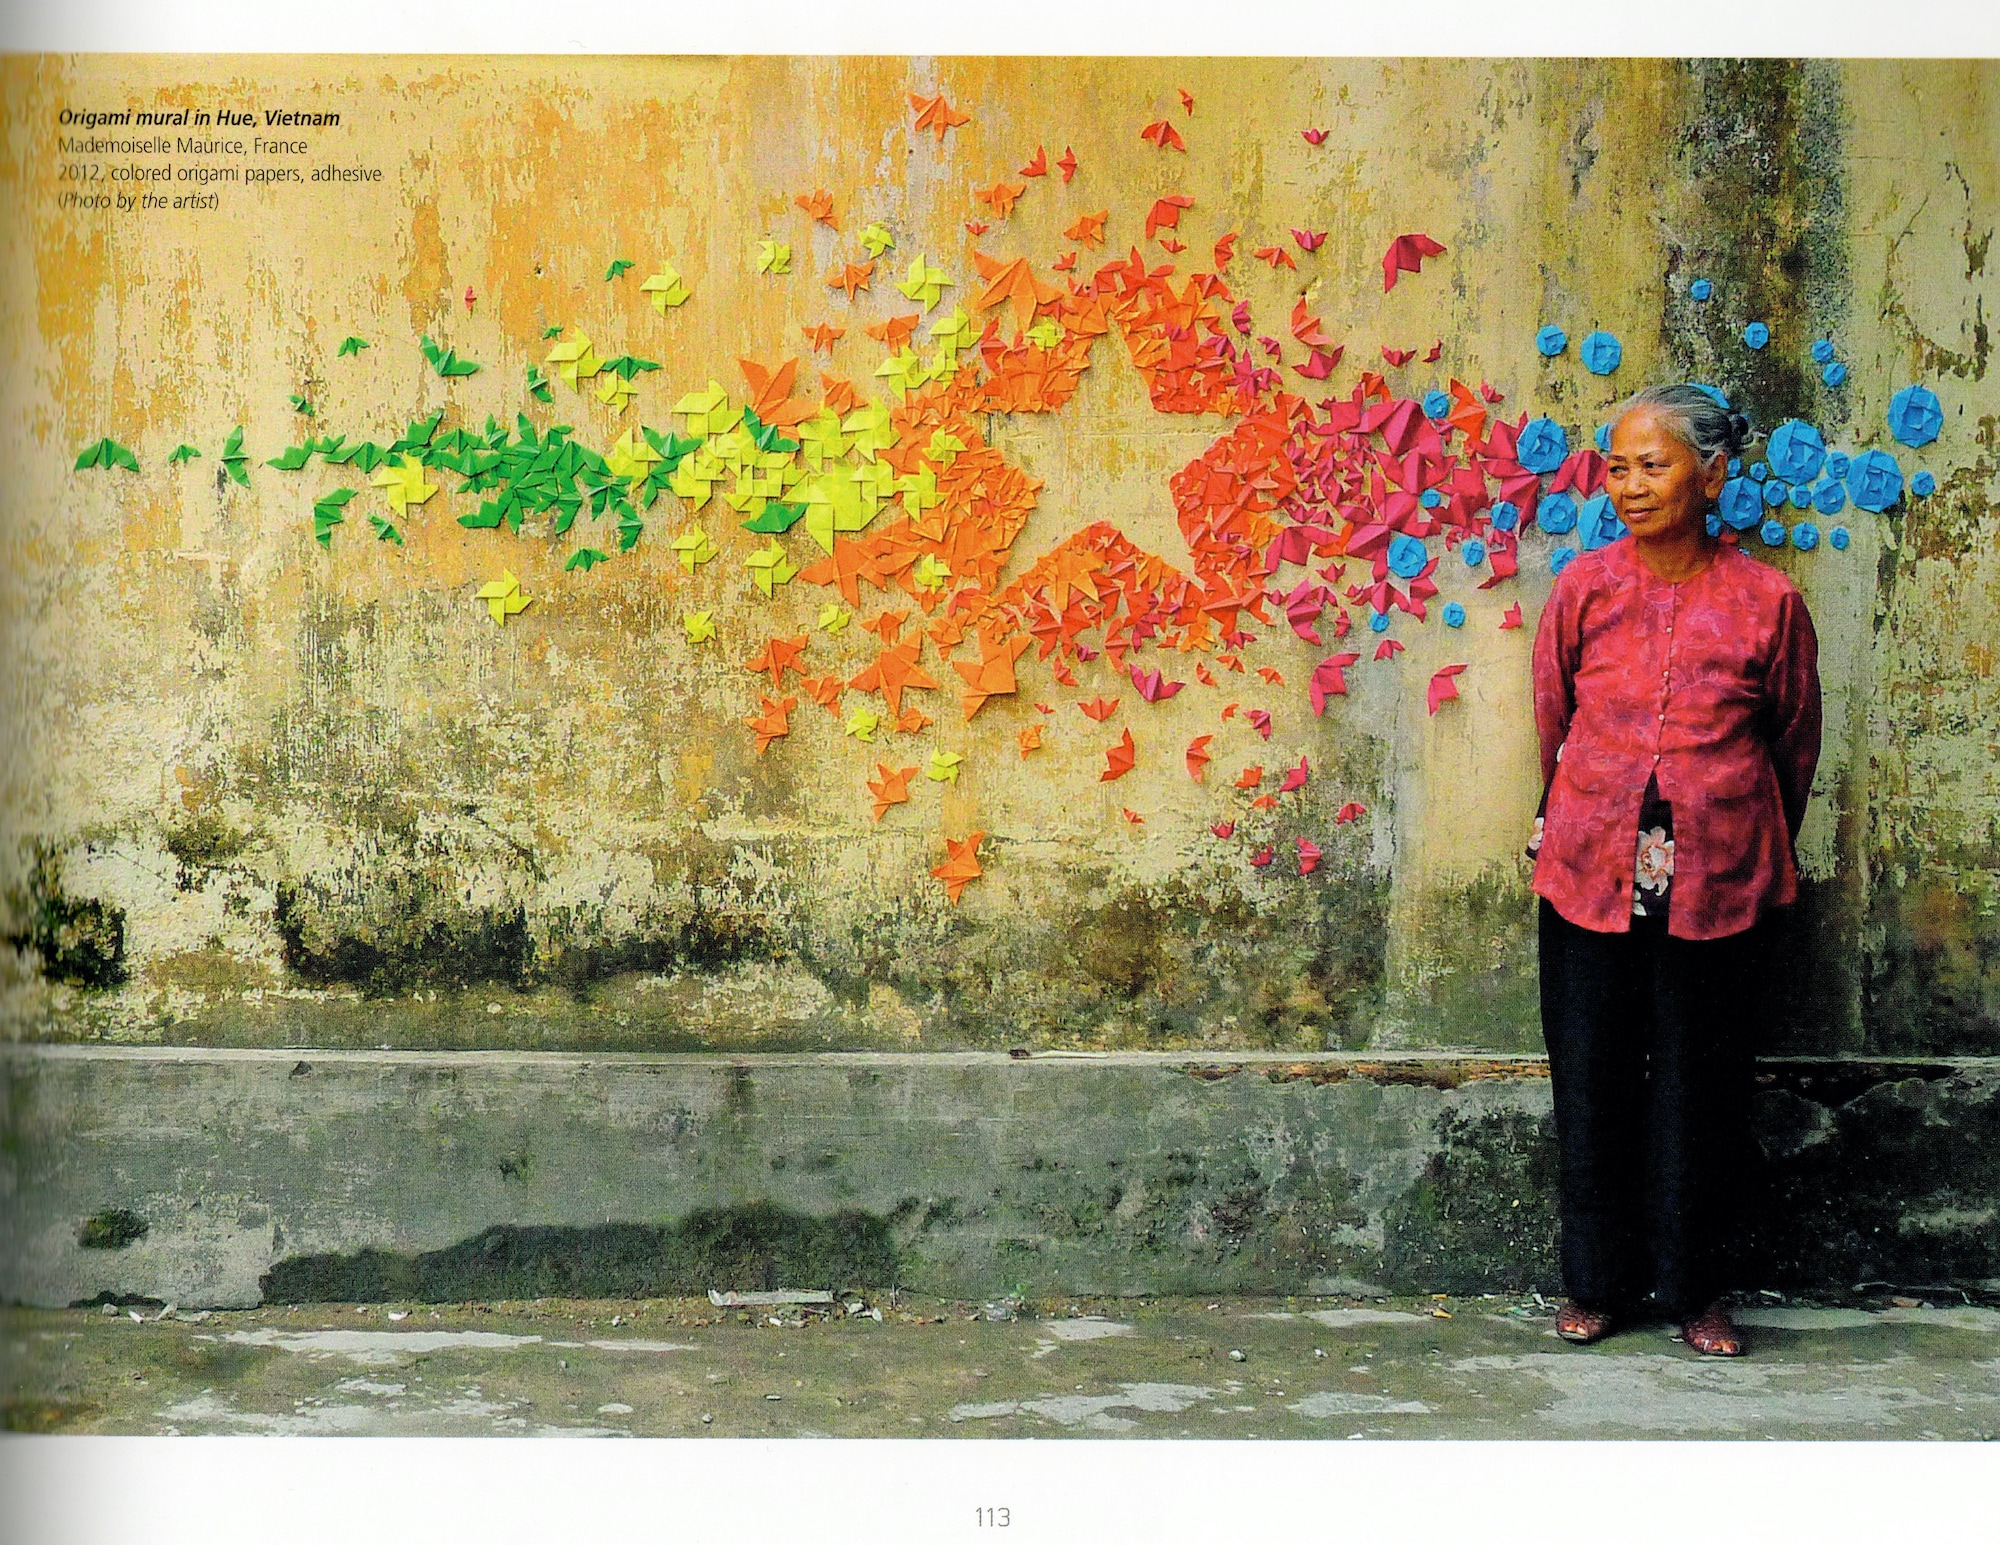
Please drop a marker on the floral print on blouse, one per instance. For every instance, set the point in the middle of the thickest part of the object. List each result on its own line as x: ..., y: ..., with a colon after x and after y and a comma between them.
x: 1653, y: 865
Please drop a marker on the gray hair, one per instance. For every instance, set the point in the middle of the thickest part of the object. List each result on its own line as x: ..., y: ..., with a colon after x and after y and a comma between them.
x: 1698, y: 416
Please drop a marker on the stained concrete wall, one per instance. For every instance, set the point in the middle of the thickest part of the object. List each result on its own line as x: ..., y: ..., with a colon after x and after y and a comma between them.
x: 262, y: 792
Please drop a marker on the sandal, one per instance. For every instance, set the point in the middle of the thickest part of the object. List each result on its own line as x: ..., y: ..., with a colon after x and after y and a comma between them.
x: 1713, y: 1334
x: 1580, y: 1325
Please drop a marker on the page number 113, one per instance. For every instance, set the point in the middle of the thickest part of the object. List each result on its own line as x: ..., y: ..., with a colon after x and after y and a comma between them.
x: 993, y: 1517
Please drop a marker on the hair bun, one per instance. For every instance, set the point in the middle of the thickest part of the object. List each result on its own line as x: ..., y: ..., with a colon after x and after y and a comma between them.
x: 1739, y: 430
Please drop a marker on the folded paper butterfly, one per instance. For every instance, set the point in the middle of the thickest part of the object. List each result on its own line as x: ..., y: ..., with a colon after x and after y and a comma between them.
x: 962, y: 866
x: 890, y: 786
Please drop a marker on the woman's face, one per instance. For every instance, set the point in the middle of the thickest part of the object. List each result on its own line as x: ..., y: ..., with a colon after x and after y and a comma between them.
x: 1656, y: 482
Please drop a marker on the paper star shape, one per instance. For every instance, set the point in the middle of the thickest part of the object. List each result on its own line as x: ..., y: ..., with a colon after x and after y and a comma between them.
x: 992, y: 675
x: 769, y: 567
x: 778, y: 656
x: 402, y: 482
x: 665, y: 289
x: 924, y: 283
x: 893, y: 671
x: 772, y: 721
x: 961, y: 867
x: 699, y: 626
x: 890, y: 786
x: 693, y: 548
x: 876, y: 238
x: 862, y: 724
x: 774, y: 257
x: 503, y: 596
x: 944, y: 767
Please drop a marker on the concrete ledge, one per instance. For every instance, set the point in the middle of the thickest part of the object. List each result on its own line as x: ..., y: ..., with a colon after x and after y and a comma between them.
x: 216, y: 1177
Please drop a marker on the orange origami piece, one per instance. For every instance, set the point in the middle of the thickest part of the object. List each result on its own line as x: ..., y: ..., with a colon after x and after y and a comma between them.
x: 1067, y: 161
x: 1132, y: 815
x: 823, y: 690
x: 1264, y: 802
x: 1166, y: 213
x: 847, y: 565
x: 1065, y: 264
x: 887, y: 625
x: 840, y: 394
x: 1225, y: 249
x: 1099, y: 708
x: 818, y: 204
x: 851, y: 277
x: 992, y: 675
x: 1275, y: 256
x: 1198, y: 756
x: 1163, y: 134
x: 1038, y: 167
x: 1015, y: 284
x: 1271, y: 675
x: 1119, y: 760
x: 936, y: 114
x: 1001, y: 197
x: 1173, y: 244
x: 771, y: 393
x: 912, y: 720
x: 894, y: 332
x: 978, y: 227
x: 1089, y: 228
x: 771, y: 722
x: 822, y: 337
x: 778, y: 656
x: 1250, y: 777
x: 895, y: 670
x: 962, y: 867
x: 890, y: 786
x: 1187, y: 102
x: 1030, y: 739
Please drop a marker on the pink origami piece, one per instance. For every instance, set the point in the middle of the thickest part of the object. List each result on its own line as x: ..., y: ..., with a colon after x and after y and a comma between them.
x: 1314, y: 136
x: 1224, y: 829
x: 1308, y: 855
x: 1351, y: 811
x: 1444, y: 685
x: 1329, y: 680
x: 1261, y: 857
x: 1151, y: 687
x: 1296, y: 777
x: 1511, y: 618
x: 1406, y: 254
x: 1261, y: 719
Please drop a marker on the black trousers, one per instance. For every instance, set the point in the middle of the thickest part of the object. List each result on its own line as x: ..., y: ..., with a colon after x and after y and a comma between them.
x: 1650, y: 1062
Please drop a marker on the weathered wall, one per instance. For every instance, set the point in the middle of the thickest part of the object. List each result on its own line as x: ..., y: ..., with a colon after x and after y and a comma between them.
x: 262, y: 791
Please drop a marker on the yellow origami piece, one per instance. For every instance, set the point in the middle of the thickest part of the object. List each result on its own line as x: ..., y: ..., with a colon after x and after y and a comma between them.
x: 665, y: 289
x: 708, y: 412
x: 503, y: 596
x: 695, y: 478
x: 924, y: 283
x: 774, y: 257
x: 630, y: 456
x: 699, y: 626
x: 862, y: 724
x: 954, y: 331
x: 871, y: 429
x: 833, y: 617
x: 944, y: 767
x: 615, y: 391
x: 930, y: 574
x: 904, y: 371
x: 820, y: 439
x: 1047, y: 333
x: 770, y: 568
x: 945, y: 448
x: 402, y: 480
x: 876, y: 238
x: 919, y: 491
x: 694, y: 548
x: 574, y: 361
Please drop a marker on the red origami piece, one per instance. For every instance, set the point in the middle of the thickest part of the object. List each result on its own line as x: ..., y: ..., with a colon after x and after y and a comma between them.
x: 1166, y: 213
x: 1406, y: 254
x: 1308, y: 855
x: 1163, y: 134
x: 1329, y: 680
x: 1444, y: 685
x: 1198, y: 756
x: 1224, y: 829
x: 1261, y: 857
x: 1351, y: 811
x: 1119, y: 760
x: 1296, y: 778
x: 1511, y: 618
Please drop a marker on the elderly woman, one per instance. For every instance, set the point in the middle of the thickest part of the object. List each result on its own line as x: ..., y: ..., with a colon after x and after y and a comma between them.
x: 1678, y: 704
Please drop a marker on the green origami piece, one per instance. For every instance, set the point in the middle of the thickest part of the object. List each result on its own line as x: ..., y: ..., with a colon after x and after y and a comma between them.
x: 326, y: 514
x: 552, y: 332
x: 417, y: 438
x: 777, y: 516
x: 233, y: 456
x: 538, y: 385
x: 293, y: 458
x: 586, y: 558
x: 446, y: 361
x: 767, y: 437
x: 629, y: 529
x: 626, y: 366
x: 618, y: 266
x: 384, y: 531
x: 182, y: 453
x: 350, y: 345
x: 106, y: 453
x: 300, y: 405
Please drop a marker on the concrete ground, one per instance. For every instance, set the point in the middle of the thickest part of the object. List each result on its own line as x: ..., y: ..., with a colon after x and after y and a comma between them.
x: 1475, y: 1367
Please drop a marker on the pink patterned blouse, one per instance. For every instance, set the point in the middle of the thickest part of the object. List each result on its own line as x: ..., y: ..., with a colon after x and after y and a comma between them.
x: 1706, y: 691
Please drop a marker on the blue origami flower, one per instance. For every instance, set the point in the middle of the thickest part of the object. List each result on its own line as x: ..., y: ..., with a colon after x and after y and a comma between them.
x: 1561, y: 559
x: 1714, y: 524
x: 1407, y: 556
x: 1506, y: 515
x: 1759, y: 471
x: 1701, y: 289
x: 1775, y: 493
x: 1430, y: 498
x: 1436, y: 404
x: 1600, y: 353
x: 1741, y: 505
x: 1599, y: 523
x: 1874, y: 480
x: 1796, y: 451
x: 1923, y: 485
x: 1805, y: 536
x: 1835, y: 374
x: 1836, y: 464
x: 1603, y: 438
x: 1801, y: 496
x: 1822, y: 350
x: 1454, y: 615
x: 1839, y: 538
x: 1556, y: 514
x: 1736, y: 466
x: 1830, y: 498
x: 1915, y: 416
x: 1773, y: 533
x: 1542, y: 445
x: 1473, y: 552
x: 1551, y: 341
x: 1712, y: 393
x: 1756, y: 335
x: 1378, y: 622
